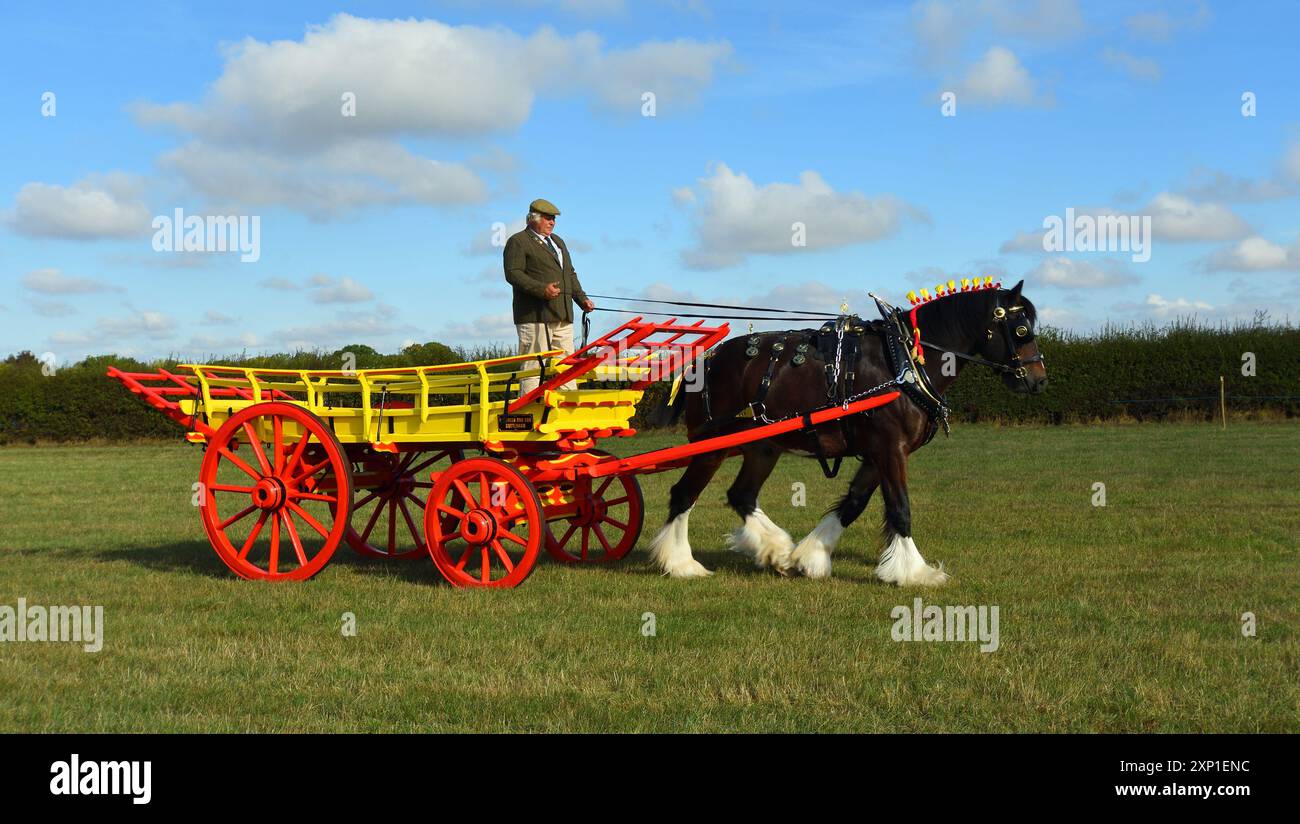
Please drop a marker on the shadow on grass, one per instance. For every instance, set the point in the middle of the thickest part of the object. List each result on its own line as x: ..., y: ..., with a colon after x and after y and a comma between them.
x: 196, y: 557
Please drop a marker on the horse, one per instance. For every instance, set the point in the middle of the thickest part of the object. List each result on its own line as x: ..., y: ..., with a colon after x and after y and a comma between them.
x: 985, y: 325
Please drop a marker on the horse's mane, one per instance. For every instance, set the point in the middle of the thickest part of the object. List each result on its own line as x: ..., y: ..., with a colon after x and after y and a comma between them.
x: 965, y: 306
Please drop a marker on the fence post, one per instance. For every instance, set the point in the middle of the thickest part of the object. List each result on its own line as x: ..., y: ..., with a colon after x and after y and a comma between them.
x: 1223, y: 403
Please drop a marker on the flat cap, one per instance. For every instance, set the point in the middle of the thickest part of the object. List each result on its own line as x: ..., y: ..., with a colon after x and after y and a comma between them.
x: 544, y: 207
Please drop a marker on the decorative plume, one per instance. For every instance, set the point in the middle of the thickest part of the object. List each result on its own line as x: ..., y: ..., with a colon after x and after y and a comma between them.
x: 950, y: 288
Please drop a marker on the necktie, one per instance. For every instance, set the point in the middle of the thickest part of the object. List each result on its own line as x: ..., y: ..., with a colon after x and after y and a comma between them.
x: 554, y: 249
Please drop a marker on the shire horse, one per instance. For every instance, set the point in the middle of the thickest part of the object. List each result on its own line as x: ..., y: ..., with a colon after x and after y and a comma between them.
x: 983, y: 324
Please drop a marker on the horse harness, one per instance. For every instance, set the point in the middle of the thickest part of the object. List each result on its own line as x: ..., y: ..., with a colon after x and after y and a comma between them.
x: 837, y: 344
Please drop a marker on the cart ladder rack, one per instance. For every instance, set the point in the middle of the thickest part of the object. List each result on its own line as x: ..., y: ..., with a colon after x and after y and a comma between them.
x: 659, y: 349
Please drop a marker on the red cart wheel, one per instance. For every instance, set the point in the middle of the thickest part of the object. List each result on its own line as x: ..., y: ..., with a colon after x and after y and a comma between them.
x: 606, y: 526
x: 273, y: 516
x: 484, y: 522
x: 390, y: 515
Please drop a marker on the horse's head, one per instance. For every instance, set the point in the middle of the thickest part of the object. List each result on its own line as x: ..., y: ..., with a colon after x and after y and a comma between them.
x: 1009, y: 341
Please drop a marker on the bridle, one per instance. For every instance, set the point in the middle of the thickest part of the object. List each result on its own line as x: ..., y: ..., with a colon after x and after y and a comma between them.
x: 1002, y: 319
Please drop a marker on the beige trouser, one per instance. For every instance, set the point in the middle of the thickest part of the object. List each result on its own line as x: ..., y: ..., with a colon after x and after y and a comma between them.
x: 540, y: 337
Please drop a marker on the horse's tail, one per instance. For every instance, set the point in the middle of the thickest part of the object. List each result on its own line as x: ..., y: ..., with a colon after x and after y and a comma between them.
x: 671, y: 409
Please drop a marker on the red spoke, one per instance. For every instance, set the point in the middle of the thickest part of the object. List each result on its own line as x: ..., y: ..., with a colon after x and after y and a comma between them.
x: 410, y: 523
x: 485, y: 488
x: 405, y: 462
x: 247, y: 490
x: 466, y: 496
x: 298, y: 448
x: 255, y: 443
x: 293, y: 536
x: 365, y: 500
x: 449, y: 511
x: 315, y: 496
x: 464, y: 557
x: 302, y: 513
x: 504, y: 556
x: 365, y: 536
x: 487, y: 565
x: 512, y: 536
x: 275, y: 545
x: 277, y: 427
x: 392, y: 525
x: 423, y: 484
x: 234, y: 459
x: 424, y: 464
x: 605, y: 485
x: 252, y: 536
x: 617, y: 501
x: 572, y: 526
x: 618, y: 524
x: 237, y: 516
x: 609, y: 550
x: 297, y: 479
x: 418, y: 502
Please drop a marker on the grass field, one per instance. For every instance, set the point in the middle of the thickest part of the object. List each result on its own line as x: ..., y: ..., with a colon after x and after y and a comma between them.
x: 1118, y: 618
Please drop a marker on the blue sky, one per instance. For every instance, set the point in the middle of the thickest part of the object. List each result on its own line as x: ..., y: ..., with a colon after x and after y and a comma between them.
x: 377, y: 228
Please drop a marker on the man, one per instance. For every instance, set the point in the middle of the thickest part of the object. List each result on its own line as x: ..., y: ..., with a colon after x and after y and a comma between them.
x: 539, y: 267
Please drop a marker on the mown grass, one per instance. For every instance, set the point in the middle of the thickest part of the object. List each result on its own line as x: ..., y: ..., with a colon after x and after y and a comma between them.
x: 1122, y: 618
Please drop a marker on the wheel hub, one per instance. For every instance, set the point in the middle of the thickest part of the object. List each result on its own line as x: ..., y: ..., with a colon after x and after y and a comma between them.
x: 479, y: 526
x: 269, y: 494
x: 591, y: 510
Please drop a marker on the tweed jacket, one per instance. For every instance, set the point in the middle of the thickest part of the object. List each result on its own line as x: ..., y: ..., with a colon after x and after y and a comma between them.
x: 529, y: 266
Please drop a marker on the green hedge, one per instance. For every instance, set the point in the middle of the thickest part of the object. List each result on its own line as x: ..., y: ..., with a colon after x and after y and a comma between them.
x: 79, y: 401
x: 1090, y: 376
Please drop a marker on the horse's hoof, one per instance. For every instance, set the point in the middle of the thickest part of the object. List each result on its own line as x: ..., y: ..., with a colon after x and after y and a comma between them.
x: 692, y: 569
x: 816, y: 564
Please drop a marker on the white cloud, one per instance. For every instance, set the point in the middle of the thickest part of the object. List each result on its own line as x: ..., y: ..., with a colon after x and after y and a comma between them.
x: 371, y: 328
x: 1256, y: 254
x: 344, y: 290
x: 51, y: 281
x: 1160, y: 27
x: 111, y: 331
x: 735, y: 217
x: 496, y: 328
x: 1291, y: 163
x: 51, y: 308
x: 330, y: 183
x: 279, y: 284
x: 1156, y: 26
x: 1141, y: 67
x: 1038, y: 20
x: 996, y: 79
x: 1178, y: 218
x: 942, y: 28
x: 93, y: 208
x: 208, y: 344
x: 271, y: 131
x: 1206, y: 184
x: 214, y: 318
x: 1072, y: 273
x: 1179, y: 307
x: 1024, y: 242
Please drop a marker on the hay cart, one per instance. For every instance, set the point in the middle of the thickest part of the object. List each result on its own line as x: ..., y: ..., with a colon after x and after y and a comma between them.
x: 440, y: 460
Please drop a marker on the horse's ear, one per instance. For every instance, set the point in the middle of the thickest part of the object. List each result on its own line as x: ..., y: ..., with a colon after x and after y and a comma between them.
x: 1015, y: 290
